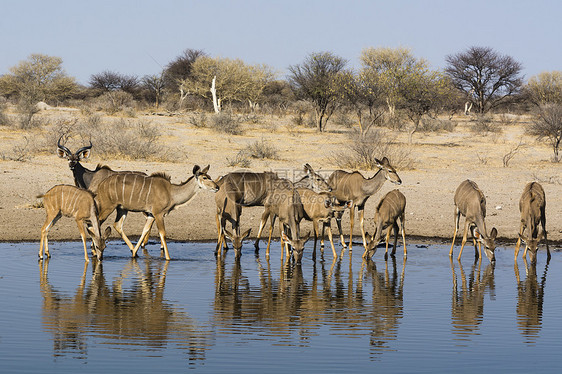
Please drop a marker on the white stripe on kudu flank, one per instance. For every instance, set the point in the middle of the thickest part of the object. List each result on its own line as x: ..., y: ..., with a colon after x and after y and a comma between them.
x: 142, y: 188
x: 123, y: 187
x: 132, y: 189
x: 148, y: 193
x: 61, y: 200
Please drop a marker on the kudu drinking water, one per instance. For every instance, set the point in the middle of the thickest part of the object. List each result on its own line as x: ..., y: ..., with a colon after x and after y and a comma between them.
x: 153, y: 195
x: 532, y: 207
x: 319, y: 207
x: 471, y: 203
x: 356, y: 188
x: 71, y: 201
x: 246, y: 189
x: 284, y: 202
x: 391, y: 208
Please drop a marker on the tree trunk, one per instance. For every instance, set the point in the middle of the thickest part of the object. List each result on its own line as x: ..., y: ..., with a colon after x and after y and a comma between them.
x: 216, y: 103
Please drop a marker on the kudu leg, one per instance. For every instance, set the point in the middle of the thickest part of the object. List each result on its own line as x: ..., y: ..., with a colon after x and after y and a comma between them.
x: 118, y: 225
x: 463, y: 240
x: 403, y: 225
x: 44, y: 243
x: 518, y: 244
x: 387, y: 238
x: 162, y: 233
x: 362, y: 224
x: 147, y: 226
x: 82, y: 228
x: 342, y: 239
x: 457, y: 222
x: 273, y: 218
x: 351, y: 219
x: 263, y: 221
x: 330, y: 237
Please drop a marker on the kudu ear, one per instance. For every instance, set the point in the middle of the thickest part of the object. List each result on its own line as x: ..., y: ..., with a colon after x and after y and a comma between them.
x: 61, y: 153
x: 205, y: 169
x: 306, y: 237
x: 523, y: 239
x: 493, y: 233
x: 85, y: 153
x: 246, y: 233
x: 196, y: 170
x: 228, y: 234
x: 308, y: 169
x: 327, y: 203
x: 286, y: 238
x: 107, y: 232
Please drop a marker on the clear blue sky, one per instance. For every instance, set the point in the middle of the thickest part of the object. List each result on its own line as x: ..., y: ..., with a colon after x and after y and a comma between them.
x: 139, y: 37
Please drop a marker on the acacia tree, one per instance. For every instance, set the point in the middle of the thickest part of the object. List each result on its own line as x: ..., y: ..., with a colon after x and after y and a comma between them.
x: 422, y: 92
x: 486, y: 77
x: 316, y: 80
x: 393, y: 68
x: 545, y: 88
x: 363, y: 93
x: 39, y: 78
x: 224, y: 80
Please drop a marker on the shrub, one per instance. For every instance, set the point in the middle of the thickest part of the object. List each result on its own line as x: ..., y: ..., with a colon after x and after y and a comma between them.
x: 261, y: 149
x: 240, y: 160
x: 484, y: 123
x: 362, y: 150
x: 225, y: 122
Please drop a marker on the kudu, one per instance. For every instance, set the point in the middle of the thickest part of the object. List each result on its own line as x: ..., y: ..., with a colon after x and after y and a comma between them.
x: 532, y: 207
x: 71, y: 201
x: 390, y: 209
x: 471, y: 203
x: 356, y: 188
x: 86, y: 178
x: 285, y: 203
x: 319, y: 207
x: 246, y: 189
x: 153, y: 195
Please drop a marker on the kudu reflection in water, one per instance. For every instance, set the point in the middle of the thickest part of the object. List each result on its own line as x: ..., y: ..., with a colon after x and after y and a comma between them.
x: 467, y: 307
x: 285, y: 305
x: 131, y: 311
x: 530, y: 298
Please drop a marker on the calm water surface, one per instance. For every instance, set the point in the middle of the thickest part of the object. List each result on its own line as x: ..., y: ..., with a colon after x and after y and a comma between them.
x: 148, y: 315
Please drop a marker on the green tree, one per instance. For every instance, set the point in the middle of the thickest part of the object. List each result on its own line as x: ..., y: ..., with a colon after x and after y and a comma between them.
x: 545, y: 88
x: 316, y: 80
x: 232, y: 81
x: 363, y: 93
x: 486, y: 77
x: 394, y: 69
x: 39, y: 78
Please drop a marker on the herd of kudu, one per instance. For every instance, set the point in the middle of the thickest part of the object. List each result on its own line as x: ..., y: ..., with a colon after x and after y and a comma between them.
x: 101, y: 191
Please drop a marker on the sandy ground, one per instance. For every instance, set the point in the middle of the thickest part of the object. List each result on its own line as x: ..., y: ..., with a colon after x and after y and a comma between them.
x: 441, y: 162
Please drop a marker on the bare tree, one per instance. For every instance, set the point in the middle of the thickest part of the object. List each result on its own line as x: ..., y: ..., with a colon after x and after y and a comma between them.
x: 486, y: 77
x: 549, y: 126
x: 180, y: 68
x: 108, y: 81
x: 315, y: 80
x: 154, y: 87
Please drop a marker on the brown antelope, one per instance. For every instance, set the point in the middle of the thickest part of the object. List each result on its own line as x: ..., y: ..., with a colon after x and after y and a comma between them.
x: 319, y: 207
x: 356, y: 188
x: 471, y: 203
x: 532, y: 207
x: 245, y: 189
x: 86, y: 178
x: 71, y: 201
x: 285, y: 203
x: 153, y: 195
x: 390, y: 209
